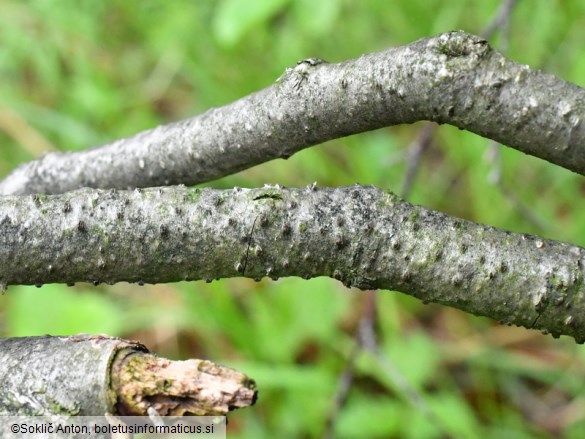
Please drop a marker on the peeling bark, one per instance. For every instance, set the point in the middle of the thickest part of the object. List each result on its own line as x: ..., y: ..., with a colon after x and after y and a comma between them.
x: 89, y: 375
x: 179, y: 388
x: 361, y: 236
x: 452, y: 78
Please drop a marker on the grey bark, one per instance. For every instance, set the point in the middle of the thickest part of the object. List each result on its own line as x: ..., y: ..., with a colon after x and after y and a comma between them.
x: 58, y: 375
x: 91, y: 375
x: 453, y: 78
x: 361, y: 236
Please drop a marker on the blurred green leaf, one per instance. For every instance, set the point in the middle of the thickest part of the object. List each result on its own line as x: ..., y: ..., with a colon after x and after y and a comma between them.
x: 234, y: 18
x: 213, y: 310
x: 58, y: 310
x: 416, y: 356
x: 455, y: 416
x: 288, y: 377
x: 290, y: 313
x: 576, y: 429
x: 370, y: 417
x: 316, y: 18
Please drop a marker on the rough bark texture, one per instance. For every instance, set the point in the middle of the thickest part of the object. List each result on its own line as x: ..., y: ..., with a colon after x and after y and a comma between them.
x: 178, y: 388
x: 91, y: 375
x: 453, y: 78
x: 58, y: 375
x: 359, y: 235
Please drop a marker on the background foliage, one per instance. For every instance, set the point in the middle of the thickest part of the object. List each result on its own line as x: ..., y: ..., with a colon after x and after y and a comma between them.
x: 80, y: 73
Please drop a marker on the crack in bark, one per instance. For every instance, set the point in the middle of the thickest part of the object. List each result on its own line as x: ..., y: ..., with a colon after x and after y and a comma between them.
x: 363, y: 236
x: 249, y: 244
x: 452, y: 78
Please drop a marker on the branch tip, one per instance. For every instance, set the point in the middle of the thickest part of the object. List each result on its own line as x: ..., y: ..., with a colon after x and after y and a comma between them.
x: 178, y: 388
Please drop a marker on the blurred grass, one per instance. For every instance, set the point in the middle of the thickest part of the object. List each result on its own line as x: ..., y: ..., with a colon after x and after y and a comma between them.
x: 79, y: 73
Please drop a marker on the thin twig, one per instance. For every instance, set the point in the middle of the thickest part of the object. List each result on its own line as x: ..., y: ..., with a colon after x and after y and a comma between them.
x: 501, y: 20
x: 414, y: 156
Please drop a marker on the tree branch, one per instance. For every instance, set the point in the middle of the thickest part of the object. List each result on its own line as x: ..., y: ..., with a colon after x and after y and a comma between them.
x: 453, y: 78
x: 359, y: 235
x: 91, y: 375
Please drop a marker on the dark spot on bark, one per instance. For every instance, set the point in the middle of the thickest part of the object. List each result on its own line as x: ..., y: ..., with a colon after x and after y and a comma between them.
x: 271, y: 196
x: 82, y: 227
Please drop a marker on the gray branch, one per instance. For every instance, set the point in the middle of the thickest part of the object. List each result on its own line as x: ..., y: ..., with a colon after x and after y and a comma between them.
x: 73, y: 373
x: 91, y: 375
x: 453, y: 78
x: 361, y: 236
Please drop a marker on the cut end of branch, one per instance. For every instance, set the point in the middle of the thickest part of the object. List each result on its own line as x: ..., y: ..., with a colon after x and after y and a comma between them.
x: 178, y: 388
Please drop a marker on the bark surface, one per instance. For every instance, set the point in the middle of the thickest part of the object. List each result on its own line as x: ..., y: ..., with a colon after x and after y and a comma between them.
x: 362, y: 236
x: 454, y: 78
x: 91, y: 375
x: 58, y: 375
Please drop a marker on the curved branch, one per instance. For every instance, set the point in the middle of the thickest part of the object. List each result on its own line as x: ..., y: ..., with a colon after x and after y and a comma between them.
x: 359, y: 235
x: 453, y: 78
